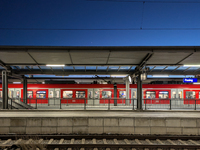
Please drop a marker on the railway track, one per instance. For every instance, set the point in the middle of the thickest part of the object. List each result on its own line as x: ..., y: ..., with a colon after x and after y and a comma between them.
x: 97, y: 142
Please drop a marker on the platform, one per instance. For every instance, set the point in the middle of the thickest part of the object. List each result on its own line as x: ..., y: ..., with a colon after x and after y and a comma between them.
x: 99, y: 122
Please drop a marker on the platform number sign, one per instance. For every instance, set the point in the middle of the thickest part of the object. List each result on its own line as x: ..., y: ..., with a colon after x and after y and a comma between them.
x: 189, y: 80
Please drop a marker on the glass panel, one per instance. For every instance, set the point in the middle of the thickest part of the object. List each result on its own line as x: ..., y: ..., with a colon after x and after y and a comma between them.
x: 163, y: 94
x: 122, y: 94
x: 106, y: 94
x: 150, y: 94
x: 80, y: 94
x: 190, y: 94
x: 0, y: 94
x: 90, y: 94
x: 57, y: 94
x: 51, y: 94
x: 17, y: 94
x: 10, y: 94
x: 67, y: 94
x: 173, y: 94
x: 180, y: 94
x: 29, y: 94
x: 134, y: 94
x: 41, y: 94
x: 96, y: 94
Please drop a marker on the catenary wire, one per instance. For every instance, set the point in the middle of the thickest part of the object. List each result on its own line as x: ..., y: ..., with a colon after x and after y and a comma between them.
x: 137, y: 1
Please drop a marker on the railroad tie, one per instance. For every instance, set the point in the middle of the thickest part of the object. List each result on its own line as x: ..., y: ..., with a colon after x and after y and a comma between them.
x: 104, y: 141
x: 6, y: 141
x: 18, y: 141
x: 72, y: 141
x: 127, y: 141
x: 40, y: 141
x: 182, y: 142
x: 138, y: 141
x: 50, y: 141
x: 160, y: 142
x: 94, y: 141
x: 83, y: 141
x: 193, y: 142
x: 170, y: 141
x: 61, y: 141
x: 116, y: 142
x: 148, y: 141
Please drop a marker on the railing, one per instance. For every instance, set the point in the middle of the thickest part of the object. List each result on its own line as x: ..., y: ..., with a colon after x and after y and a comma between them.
x: 109, y: 103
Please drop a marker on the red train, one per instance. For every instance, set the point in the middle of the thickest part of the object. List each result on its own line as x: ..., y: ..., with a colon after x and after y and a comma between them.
x: 78, y: 93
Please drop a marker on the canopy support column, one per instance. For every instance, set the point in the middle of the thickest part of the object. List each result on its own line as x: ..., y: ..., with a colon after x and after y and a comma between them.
x: 127, y: 92
x: 25, y: 90
x: 139, y: 92
x: 5, y: 89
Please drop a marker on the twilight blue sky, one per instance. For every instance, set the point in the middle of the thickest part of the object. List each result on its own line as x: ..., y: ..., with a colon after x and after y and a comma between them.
x: 124, y: 18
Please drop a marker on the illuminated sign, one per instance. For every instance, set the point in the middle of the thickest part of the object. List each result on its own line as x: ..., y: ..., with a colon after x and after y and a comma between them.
x: 189, y: 80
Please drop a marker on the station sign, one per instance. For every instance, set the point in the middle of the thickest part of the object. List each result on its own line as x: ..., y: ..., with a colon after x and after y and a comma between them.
x: 189, y: 80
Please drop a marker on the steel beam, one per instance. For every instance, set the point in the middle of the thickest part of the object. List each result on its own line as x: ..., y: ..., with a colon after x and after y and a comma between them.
x: 115, y: 94
x: 5, y: 89
x: 127, y: 92
x: 25, y: 90
x: 139, y: 92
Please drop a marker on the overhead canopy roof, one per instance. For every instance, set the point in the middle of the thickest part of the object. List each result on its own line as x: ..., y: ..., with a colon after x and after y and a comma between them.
x: 32, y: 60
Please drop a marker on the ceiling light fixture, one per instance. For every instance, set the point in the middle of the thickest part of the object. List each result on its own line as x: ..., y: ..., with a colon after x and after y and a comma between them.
x: 55, y: 65
x: 191, y: 65
x: 196, y: 83
x: 16, y: 82
x: 160, y: 76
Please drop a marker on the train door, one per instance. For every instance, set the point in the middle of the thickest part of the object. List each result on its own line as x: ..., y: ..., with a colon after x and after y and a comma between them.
x: 91, y: 96
x: 51, y: 99
x: 17, y: 93
x: 1, y: 96
x: 177, y: 96
x: 57, y: 96
x: 11, y: 93
x: 134, y: 96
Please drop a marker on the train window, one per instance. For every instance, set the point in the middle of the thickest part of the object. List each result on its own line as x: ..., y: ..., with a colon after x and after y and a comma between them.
x: 57, y: 94
x: 180, y: 94
x: 134, y: 94
x: 106, y: 94
x: 190, y: 94
x: 41, y: 94
x: 80, y: 94
x: 163, y: 94
x: 122, y: 94
x: 29, y: 94
x: 11, y: 94
x: 67, y: 94
x: 173, y: 94
x: 96, y: 94
x: 51, y: 94
x: 90, y: 94
x: 0, y: 94
x: 150, y: 94
x: 17, y: 94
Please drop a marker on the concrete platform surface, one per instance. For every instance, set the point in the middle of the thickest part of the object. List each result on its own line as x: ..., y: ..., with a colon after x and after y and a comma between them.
x: 96, y: 113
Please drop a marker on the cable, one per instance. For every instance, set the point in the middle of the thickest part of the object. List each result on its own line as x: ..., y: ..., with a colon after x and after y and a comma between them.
x: 142, y: 15
x: 137, y: 1
x: 108, y: 29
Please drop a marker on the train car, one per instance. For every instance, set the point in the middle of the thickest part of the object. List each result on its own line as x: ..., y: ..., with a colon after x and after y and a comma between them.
x: 103, y: 93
